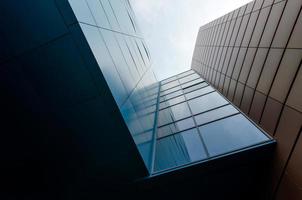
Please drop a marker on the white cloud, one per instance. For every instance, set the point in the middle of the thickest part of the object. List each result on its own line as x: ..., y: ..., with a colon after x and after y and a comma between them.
x: 170, y: 28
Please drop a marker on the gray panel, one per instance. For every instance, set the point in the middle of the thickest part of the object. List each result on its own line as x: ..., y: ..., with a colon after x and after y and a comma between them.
x: 260, y: 25
x: 49, y: 67
x: 38, y: 22
x: 286, y: 72
x: 272, y: 24
x: 287, y: 22
x: 269, y: 70
x: 247, y: 64
x: 295, y: 95
x: 296, y: 39
x: 257, y: 67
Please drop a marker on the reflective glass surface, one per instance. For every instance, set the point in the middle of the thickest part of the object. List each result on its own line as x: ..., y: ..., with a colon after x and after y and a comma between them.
x: 179, y: 149
x: 230, y: 134
x: 189, y: 78
x: 199, y: 92
x: 195, y: 87
x: 180, y: 111
x: 169, y: 85
x: 206, y: 102
x: 175, y: 127
x: 171, y: 95
x: 119, y: 50
x: 215, y: 114
x: 221, y: 128
x: 177, y: 121
x: 170, y: 90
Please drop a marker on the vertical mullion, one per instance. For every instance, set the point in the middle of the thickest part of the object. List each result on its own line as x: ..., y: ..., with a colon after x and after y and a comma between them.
x: 196, y: 126
x: 155, y: 130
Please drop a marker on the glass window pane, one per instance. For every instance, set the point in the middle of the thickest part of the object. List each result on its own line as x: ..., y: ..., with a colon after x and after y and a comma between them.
x: 206, y: 102
x: 230, y: 134
x: 175, y: 127
x: 169, y: 85
x: 175, y: 101
x: 163, y: 105
x: 192, y: 83
x: 194, y: 145
x: 168, y: 80
x: 195, y: 87
x: 185, y: 124
x: 170, y: 90
x: 180, y: 111
x: 170, y: 152
x: 179, y: 149
x: 189, y: 78
x: 185, y: 73
x: 172, y: 95
x: 166, y: 130
x: 215, y: 114
x: 164, y: 117
x: 110, y: 15
x: 199, y: 92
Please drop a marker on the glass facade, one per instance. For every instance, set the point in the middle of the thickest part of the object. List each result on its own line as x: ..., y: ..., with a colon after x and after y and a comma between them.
x: 84, y: 114
x: 170, y: 121
x: 195, y: 123
x: 117, y: 44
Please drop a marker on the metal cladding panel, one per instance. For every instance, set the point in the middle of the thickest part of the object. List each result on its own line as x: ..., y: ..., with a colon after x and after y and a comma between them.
x: 264, y: 80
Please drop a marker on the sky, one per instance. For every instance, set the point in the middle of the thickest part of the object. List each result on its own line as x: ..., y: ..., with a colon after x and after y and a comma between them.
x: 170, y: 29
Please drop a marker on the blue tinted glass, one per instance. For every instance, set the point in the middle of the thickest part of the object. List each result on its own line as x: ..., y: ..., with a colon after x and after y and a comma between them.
x: 180, y: 111
x: 169, y: 85
x: 175, y: 127
x: 82, y: 12
x: 172, y: 95
x: 127, y: 56
x: 215, y: 114
x: 110, y: 15
x: 105, y: 62
x: 230, y: 134
x: 98, y: 13
x: 170, y: 152
x: 118, y: 59
x: 164, y: 117
x: 192, y: 83
x: 188, y: 78
x: 185, y: 73
x: 194, y: 145
x: 206, y: 102
x: 199, y: 92
x: 169, y: 79
x: 166, y: 130
x: 195, y: 87
x: 185, y: 124
x: 163, y: 105
x: 175, y: 100
x: 170, y: 90
x: 119, y: 10
x: 178, y: 150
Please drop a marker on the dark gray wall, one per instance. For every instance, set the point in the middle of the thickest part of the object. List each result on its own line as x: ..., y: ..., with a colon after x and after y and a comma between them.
x: 62, y: 132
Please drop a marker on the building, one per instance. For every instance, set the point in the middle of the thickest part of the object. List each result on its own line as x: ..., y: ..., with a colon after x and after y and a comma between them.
x: 84, y: 115
x: 253, y: 56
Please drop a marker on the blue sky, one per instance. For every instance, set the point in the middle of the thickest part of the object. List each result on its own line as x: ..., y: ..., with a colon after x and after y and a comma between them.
x: 170, y: 29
